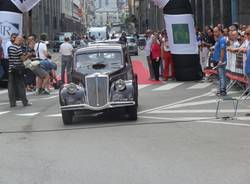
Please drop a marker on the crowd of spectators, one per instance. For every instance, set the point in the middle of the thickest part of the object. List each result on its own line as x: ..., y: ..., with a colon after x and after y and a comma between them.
x: 28, y: 66
x: 237, y: 39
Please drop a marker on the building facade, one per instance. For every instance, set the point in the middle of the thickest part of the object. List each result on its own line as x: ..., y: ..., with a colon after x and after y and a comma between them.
x: 148, y: 15
x: 53, y: 16
x: 226, y: 12
x: 108, y: 12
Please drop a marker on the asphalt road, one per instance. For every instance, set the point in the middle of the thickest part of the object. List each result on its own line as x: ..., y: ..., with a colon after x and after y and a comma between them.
x: 177, y: 139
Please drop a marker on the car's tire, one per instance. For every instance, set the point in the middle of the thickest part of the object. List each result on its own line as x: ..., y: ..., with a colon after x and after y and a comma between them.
x: 67, y: 117
x: 132, y: 113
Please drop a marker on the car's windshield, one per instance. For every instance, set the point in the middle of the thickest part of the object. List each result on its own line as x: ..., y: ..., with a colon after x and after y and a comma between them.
x: 103, y: 62
x: 59, y: 38
x: 131, y: 40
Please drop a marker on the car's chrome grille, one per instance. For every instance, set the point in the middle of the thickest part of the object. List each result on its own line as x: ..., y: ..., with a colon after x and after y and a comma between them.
x: 97, y: 90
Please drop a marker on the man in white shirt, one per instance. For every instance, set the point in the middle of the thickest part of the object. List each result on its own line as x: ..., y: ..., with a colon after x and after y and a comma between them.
x: 41, y: 48
x: 147, y: 50
x: 66, y: 50
x: 43, y: 76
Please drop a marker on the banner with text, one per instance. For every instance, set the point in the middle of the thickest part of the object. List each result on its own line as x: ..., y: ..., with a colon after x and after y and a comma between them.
x: 10, y: 22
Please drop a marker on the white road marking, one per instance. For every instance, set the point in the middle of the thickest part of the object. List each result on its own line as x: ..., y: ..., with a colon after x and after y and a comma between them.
x: 4, y: 103
x: 245, y: 118
x: 3, y: 92
x: 168, y: 86
x: 176, y: 119
x: 4, y: 112
x: 55, y: 115
x: 192, y: 104
x: 51, y: 97
x: 228, y: 93
x: 195, y: 111
x: 141, y: 86
x: 200, y: 86
x: 226, y: 123
x: 199, y: 121
x: 175, y: 103
x: 29, y: 114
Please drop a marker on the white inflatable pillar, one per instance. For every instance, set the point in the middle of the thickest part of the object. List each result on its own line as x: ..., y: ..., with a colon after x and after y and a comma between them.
x: 183, y: 44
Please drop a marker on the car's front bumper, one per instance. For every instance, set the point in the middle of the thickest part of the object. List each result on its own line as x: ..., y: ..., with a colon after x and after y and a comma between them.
x: 109, y: 105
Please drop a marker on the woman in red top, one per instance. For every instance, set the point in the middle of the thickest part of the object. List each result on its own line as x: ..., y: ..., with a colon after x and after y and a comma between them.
x: 156, y: 56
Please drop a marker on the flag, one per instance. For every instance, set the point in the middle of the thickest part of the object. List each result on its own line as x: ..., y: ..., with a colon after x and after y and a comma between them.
x: 25, y: 5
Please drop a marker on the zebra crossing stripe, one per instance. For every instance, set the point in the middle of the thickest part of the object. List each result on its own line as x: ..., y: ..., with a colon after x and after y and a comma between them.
x: 167, y: 86
x: 200, y: 86
x: 29, y: 114
x: 4, y: 112
x: 141, y: 86
x: 198, y: 121
x: 195, y: 111
x: 55, y: 115
x: 3, y: 92
x: 204, y: 102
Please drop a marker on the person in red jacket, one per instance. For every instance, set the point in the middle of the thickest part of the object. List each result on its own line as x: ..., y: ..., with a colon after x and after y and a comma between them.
x: 156, y: 56
x: 167, y: 57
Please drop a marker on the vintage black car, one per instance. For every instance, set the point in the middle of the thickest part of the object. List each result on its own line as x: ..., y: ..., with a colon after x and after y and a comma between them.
x: 102, y: 79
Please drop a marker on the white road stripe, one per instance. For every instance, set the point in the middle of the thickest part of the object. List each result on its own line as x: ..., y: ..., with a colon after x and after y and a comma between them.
x: 4, y: 112
x: 192, y: 104
x: 167, y: 87
x: 200, y: 86
x: 141, y: 86
x: 4, y: 103
x: 176, y: 119
x: 198, y: 121
x: 193, y: 111
x: 55, y: 115
x: 29, y: 114
x: 3, y: 92
x: 228, y: 93
x: 51, y: 97
x: 245, y: 118
x: 175, y: 103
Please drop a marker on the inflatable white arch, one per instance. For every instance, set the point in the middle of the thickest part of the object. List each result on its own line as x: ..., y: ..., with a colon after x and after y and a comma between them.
x: 183, y: 45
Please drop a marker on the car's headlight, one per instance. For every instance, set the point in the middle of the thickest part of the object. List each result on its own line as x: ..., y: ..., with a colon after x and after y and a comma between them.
x: 120, y: 85
x: 71, y: 88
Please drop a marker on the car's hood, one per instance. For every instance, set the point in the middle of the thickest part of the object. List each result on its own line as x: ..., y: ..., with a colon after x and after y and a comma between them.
x: 111, y: 74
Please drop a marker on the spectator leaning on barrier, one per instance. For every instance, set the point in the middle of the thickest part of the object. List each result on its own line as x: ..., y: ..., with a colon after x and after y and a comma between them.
x: 219, y: 60
x: 247, y: 69
x: 234, y: 43
x: 245, y: 48
x: 207, y: 42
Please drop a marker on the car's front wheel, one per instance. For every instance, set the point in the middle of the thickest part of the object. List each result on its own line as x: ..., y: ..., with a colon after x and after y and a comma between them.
x: 132, y: 113
x: 67, y: 117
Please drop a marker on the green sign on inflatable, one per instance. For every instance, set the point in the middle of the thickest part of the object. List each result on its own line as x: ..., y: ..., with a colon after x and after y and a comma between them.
x: 181, y: 33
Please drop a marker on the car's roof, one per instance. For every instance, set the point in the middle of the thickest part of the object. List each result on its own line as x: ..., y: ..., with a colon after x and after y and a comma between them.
x: 100, y: 47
